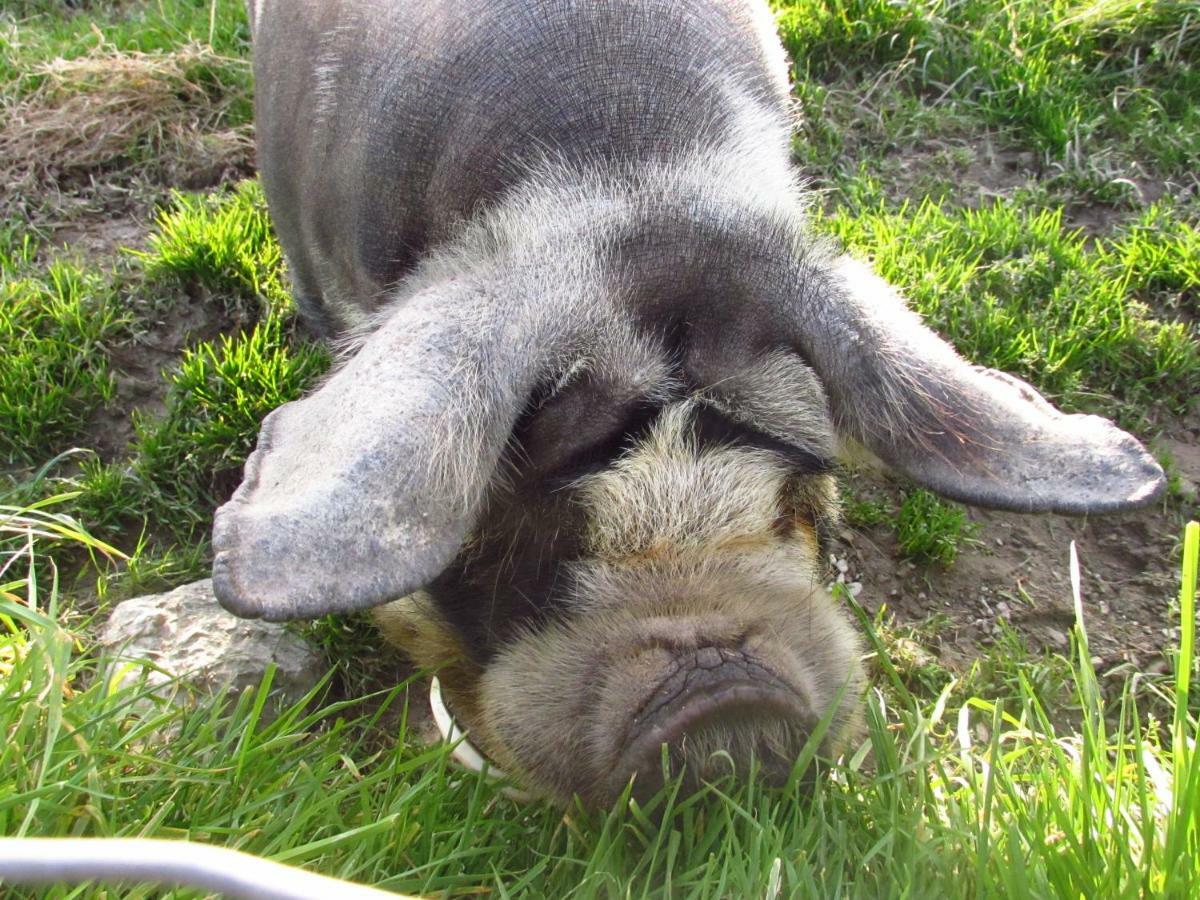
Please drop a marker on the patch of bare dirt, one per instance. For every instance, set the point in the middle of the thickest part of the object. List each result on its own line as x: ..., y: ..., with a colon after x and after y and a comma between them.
x: 977, y: 171
x: 1018, y: 573
x: 99, y: 239
x: 139, y: 364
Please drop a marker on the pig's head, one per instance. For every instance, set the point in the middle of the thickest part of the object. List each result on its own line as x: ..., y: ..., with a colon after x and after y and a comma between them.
x: 592, y: 481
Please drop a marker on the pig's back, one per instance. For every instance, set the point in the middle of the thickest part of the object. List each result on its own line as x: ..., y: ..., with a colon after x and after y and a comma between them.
x: 382, y: 124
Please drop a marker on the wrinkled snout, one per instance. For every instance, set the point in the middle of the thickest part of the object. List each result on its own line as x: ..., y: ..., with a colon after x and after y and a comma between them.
x: 715, y: 710
x: 723, y: 676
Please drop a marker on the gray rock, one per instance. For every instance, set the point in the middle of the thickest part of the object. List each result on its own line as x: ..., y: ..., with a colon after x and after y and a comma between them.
x: 186, y: 635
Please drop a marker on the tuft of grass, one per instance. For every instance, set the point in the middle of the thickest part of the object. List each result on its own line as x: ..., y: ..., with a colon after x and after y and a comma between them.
x: 193, y: 455
x: 930, y: 529
x: 1156, y: 256
x: 221, y: 242
x: 1015, y: 290
x: 56, y: 325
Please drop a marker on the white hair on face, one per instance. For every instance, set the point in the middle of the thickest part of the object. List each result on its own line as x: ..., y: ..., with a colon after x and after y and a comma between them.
x: 763, y: 20
x: 678, y: 541
x: 670, y: 496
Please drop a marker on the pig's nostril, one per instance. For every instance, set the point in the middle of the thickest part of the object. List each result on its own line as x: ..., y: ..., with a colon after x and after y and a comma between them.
x: 717, y: 702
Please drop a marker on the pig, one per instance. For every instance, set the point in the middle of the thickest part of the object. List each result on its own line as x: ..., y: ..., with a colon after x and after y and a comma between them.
x: 580, y: 453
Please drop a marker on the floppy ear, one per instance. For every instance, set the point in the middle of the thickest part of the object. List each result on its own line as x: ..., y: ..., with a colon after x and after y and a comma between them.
x: 363, y: 491
x: 970, y: 433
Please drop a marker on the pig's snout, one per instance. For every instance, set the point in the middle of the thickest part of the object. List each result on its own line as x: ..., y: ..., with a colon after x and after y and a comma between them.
x: 715, y: 710
x: 720, y: 677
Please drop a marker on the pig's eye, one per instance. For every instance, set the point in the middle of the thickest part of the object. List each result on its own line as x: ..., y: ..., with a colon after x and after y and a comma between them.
x: 712, y: 427
x: 626, y: 428
x: 581, y: 430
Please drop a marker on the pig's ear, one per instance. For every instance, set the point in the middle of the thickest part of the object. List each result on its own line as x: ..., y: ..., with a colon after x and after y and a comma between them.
x: 969, y: 433
x: 364, y: 490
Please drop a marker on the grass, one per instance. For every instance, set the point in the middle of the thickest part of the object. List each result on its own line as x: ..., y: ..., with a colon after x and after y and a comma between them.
x: 222, y: 242
x: 1020, y: 292
x: 56, y: 323
x: 1024, y: 171
x: 954, y: 793
x: 1065, y: 78
x: 930, y: 529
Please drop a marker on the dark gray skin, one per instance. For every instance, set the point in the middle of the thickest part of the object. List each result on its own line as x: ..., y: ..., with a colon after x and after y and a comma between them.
x: 582, y: 446
x: 398, y: 120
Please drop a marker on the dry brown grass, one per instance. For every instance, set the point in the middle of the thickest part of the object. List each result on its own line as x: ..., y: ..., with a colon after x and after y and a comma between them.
x: 163, y: 117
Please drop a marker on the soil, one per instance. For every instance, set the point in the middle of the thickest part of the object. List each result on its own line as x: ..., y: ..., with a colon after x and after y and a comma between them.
x: 140, y: 365
x: 1016, y: 571
x: 978, y: 172
x: 100, y: 239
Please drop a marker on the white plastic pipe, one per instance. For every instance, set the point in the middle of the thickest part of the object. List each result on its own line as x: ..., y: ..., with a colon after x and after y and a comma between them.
x: 182, y: 863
